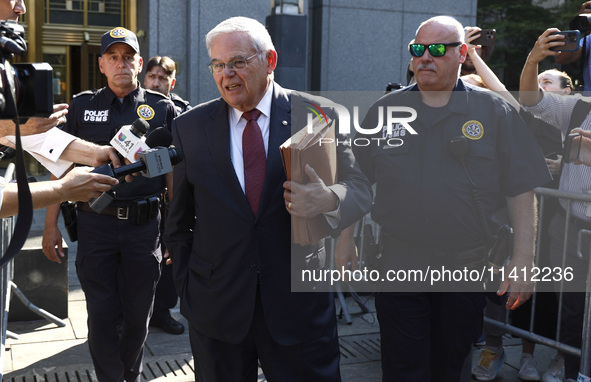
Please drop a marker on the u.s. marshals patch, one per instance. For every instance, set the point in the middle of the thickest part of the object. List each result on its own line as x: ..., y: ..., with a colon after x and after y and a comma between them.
x: 473, y: 130
x: 118, y: 32
x: 397, y: 131
x: 145, y: 112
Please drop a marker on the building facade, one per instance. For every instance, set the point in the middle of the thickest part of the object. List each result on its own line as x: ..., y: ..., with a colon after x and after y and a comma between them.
x: 322, y: 44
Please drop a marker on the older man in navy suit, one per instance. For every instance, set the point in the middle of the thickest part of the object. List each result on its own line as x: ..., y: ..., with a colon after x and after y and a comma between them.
x: 229, y: 226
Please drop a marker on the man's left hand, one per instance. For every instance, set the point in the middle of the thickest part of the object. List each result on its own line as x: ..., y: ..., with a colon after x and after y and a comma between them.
x: 311, y: 199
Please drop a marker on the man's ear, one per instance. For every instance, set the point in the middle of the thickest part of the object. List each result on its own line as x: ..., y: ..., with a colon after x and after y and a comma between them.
x: 172, y: 83
x: 141, y: 65
x: 271, y: 61
x: 463, y: 53
x: 100, y: 62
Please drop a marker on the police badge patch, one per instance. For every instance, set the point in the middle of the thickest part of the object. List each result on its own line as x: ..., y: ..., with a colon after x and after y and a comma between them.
x: 118, y: 32
x: 473, y: 130
x: 145, y: 112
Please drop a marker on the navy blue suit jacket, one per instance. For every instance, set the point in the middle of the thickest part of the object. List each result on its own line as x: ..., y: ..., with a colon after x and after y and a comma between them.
x: 218, y: 246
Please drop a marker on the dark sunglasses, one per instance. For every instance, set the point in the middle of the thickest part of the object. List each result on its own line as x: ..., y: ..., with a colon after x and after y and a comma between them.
x: 436, y: 50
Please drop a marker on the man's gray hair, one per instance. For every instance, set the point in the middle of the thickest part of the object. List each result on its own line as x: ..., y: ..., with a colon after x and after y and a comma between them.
x: 448, y: 21
x: 261, y: 40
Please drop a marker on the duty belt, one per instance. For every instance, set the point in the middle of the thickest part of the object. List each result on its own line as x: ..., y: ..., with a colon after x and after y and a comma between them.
x: 121, y: 213
x: 471, y: 257
x: 138, y: 211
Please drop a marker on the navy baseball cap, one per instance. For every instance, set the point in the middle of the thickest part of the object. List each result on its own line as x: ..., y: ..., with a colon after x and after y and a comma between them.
x: 119, y: 34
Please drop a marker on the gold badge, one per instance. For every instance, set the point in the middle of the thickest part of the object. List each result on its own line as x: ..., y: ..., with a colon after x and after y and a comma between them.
x: 473, y: 130
x: 145, y: 112
x: 118, y: 32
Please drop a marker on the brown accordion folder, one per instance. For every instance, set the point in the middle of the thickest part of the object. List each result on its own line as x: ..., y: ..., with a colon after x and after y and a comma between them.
x: 318, y: 149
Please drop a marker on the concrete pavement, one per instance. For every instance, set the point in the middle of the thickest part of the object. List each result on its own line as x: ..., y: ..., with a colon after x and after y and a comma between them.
x: 45, y: 351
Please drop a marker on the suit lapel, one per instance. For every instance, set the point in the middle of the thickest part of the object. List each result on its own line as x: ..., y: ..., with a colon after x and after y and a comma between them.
x: 218, y: 136
x: 279, y: 131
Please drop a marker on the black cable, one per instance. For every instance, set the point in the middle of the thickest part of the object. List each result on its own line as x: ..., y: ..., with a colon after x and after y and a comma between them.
x: 458, y: 147
x: 25, y: 201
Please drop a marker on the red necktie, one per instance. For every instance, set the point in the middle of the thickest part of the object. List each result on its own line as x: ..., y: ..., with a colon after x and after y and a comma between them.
x: 255, y: 160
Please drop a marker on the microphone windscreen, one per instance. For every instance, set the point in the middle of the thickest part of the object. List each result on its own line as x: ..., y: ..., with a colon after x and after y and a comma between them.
x: 175, y: 154
x: 141, y: 126
x: 159, y: 137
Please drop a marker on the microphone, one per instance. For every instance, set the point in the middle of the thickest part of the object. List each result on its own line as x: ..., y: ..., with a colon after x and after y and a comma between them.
x: 129, y: 139
x: 160, y: 136
x: 152, y: 162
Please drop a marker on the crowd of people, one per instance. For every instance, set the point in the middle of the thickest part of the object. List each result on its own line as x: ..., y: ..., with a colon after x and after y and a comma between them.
x: 216, y: 231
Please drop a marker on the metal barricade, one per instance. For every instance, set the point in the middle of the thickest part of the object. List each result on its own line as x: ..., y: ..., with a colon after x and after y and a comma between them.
x: 6, y: 273
x: 585, y: 352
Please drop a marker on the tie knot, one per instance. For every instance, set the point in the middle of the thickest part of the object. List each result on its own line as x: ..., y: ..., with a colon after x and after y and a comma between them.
x: 252, y: 115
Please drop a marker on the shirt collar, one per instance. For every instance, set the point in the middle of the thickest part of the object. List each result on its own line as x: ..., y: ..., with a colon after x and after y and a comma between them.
x: 133, y: 95
x: 264, y: 105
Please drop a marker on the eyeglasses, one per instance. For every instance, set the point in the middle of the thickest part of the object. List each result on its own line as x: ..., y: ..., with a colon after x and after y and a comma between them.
x: 238, y: 63
x: 436, y: 50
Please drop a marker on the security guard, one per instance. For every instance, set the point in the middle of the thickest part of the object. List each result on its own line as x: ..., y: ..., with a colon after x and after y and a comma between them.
x: 161, y: 77
x: 118, y: 258
x: 438, y: 180
x: 180, y: 104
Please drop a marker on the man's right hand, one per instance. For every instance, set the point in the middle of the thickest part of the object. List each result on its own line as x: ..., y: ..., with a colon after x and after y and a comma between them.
x: 52, y: 240
x: 104, y: 155
x: 37, y: 125
x: 543, y: 44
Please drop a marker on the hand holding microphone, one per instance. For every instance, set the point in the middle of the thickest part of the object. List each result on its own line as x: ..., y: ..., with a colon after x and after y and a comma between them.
x: 152, y: 162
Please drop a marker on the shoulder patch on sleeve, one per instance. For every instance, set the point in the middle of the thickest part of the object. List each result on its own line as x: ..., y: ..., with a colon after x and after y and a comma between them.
x: 86, y: 92
x: 153, y: 92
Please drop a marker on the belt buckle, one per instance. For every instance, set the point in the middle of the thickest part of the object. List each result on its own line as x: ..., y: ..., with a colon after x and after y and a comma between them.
x: 122, y: 213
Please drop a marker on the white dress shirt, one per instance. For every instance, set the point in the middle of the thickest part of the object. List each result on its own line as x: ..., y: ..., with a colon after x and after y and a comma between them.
x: 47, y: 148
x: 237, y: 126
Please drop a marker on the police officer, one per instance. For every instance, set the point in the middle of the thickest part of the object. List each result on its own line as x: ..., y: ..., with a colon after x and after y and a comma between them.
x: 161, y: 77
x: 427, y: 211
x: 118, y: 258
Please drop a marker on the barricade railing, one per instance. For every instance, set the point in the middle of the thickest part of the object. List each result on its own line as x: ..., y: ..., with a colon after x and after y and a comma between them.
x: 584, y: 353
x: 6, y: 273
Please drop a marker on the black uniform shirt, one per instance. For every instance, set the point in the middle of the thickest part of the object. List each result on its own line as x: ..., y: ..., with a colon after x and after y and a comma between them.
x: 96, y: 115
x: 423, y: 195
x: 180, y: 104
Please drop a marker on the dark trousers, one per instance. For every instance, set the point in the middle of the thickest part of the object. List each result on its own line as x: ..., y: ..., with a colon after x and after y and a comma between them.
x: 118, y: 267
x: 218, y: 361
x: 166, y: 296
x: 427, y: 336
x: 573, y: 303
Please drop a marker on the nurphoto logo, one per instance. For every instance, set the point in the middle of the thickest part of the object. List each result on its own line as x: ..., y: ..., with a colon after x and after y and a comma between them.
x: 393, y: 122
